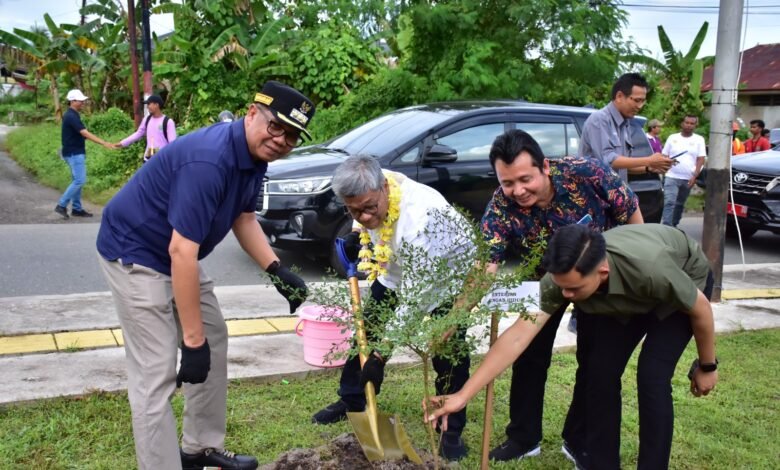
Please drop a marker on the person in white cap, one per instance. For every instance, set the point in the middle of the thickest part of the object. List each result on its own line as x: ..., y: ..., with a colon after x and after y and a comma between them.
x: 74, y: 134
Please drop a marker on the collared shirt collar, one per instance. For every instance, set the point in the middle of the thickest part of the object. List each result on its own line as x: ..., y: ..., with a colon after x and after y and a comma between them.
x: 616, y: 116
x: 243, y: 157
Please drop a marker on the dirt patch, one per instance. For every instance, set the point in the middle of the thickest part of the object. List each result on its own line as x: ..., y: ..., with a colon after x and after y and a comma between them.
x: 344, y: 452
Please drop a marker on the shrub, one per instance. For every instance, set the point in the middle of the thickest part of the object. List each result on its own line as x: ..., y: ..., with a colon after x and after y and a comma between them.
x: 113, y: 121
x: 22, y: 109
x: 390, y: 89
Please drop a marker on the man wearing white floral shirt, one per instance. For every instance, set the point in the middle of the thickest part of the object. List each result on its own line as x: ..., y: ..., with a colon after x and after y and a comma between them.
x: 393, y: 211
x: 688, y: 150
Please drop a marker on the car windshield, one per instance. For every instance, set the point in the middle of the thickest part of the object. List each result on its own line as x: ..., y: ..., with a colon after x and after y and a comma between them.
x: 385, y: 133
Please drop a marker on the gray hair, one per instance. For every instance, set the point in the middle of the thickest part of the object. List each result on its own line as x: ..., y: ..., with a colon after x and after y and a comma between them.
x: 357, y: 175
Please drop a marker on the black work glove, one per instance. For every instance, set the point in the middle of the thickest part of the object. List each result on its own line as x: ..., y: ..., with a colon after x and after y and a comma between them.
x: 289, y: 284
x: 195, y: 364
x: 373, y: 371
x: 352, y: 245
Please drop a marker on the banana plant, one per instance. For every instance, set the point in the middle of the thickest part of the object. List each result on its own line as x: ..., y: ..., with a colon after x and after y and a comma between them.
x: 682, y: 73
x: 53, y: 52
x: 219, y: 42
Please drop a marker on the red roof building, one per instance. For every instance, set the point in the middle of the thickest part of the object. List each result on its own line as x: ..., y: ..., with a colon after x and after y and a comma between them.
x: 759, y: 84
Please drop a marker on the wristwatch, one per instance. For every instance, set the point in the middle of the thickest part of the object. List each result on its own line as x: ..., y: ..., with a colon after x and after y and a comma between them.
x: 709, y: 367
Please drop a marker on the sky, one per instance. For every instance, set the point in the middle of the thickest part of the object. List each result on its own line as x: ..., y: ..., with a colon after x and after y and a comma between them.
x: 681, y: 20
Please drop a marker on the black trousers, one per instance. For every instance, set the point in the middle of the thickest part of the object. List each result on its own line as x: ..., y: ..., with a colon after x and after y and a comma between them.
x: 526, y: 396
x: 604, y: 347
x: 450, y: 377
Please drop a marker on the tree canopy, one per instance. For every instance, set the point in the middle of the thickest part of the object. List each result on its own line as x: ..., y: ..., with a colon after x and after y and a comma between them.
x: 355, y: 58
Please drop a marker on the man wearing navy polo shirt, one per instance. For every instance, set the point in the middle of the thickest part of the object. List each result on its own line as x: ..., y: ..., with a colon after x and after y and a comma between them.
x: 170, y: 215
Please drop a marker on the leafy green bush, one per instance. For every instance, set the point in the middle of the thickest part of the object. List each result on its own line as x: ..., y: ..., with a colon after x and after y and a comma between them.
x: 389, y: 89
x: 334, y: 61
x: 111, y: 122
x: 22, y: 109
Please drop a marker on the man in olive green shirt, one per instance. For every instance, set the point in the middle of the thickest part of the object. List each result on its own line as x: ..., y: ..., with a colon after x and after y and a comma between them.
x: 630, y: 282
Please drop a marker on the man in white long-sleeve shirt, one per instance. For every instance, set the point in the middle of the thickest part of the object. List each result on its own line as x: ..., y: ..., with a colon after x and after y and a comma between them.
x: 397, y: 212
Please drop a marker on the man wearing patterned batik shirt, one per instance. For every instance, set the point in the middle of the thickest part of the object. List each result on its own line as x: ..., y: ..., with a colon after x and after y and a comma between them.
x: 538, y: 196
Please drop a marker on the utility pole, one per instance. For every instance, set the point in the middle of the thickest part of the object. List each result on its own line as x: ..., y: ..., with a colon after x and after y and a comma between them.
x: 724, y: 99
x: 137, y: 114
x: 146, y: 45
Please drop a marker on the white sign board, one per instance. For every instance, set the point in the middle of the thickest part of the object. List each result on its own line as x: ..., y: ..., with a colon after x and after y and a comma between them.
x: 505, y: 298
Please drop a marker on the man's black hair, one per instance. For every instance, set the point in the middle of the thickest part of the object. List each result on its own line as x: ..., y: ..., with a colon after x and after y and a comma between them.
x: 759, y: 123
x: 574, y: 247
x: 691, y: 116
x: 626, y: 83
x: 511, y: 143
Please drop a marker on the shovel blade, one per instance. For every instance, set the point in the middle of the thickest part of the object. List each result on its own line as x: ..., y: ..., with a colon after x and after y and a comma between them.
x: 392, y: 444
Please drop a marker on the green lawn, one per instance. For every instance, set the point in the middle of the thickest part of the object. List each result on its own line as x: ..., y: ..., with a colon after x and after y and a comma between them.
x: 737, y: 427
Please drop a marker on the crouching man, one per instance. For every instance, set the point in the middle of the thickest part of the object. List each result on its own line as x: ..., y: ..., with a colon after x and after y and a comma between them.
x: 630, y: 282
x: 392, y: 210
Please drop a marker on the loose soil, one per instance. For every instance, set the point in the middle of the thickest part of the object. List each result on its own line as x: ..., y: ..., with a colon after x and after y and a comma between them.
x: 344, y: 452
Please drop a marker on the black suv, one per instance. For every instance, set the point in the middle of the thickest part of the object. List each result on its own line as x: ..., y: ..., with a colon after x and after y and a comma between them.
x: 443, y: 145
x: 755, y: 178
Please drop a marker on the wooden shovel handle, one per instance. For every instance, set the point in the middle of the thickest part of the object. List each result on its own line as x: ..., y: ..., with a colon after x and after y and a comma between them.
x: 488, y: 423
x: 360, y: 327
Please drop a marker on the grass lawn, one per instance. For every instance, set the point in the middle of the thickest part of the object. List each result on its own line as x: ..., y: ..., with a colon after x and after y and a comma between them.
x: 695, y: 202
x: 736, y: 427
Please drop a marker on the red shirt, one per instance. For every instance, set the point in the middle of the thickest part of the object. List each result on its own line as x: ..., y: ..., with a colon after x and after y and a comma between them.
x: 756, y: 146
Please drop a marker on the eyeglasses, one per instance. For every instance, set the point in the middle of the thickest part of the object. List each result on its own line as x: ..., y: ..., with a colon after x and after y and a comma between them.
x: 370, y: 208
x: 291, y: 138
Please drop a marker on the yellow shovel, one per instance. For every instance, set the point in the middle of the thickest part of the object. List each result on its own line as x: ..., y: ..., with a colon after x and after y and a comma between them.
x: 381, y: 435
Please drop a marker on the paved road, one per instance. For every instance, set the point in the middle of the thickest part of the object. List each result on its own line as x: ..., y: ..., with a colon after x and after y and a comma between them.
x: 37, y: 259
x: 42, y: 254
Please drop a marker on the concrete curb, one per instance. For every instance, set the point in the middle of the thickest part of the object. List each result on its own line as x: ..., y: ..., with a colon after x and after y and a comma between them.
x: 269, y: 357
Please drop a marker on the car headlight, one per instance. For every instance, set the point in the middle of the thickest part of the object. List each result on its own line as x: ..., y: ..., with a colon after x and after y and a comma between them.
x: 299, y: 186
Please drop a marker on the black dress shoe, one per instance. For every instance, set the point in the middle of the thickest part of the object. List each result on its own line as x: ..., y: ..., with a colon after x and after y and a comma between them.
x: 511, y: 450
x: 213, y: 458
x: 332, y: 413
x: 80, y: 213
x: 62, y: 211
x: 452, y: 446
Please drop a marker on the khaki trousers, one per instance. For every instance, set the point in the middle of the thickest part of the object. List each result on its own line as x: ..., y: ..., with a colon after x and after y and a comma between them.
x: 152, y: 332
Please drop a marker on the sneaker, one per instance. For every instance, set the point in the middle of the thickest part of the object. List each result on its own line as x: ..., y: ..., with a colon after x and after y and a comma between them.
x: 213, y: 458
x: 452, y: 447
x: 510, y: 450
x: 573, y: 456
x: 80, y: 213
x: 62, y: 211
x: 332, y: 413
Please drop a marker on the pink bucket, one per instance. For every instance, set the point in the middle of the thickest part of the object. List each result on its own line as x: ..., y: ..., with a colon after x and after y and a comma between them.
x: 323, y: 337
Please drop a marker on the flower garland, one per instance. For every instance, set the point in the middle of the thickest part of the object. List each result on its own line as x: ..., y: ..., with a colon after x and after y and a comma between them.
x: 374, y: 262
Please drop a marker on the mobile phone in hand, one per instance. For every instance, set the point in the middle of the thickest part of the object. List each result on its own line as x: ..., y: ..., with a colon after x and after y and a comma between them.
x: 585, y: 220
